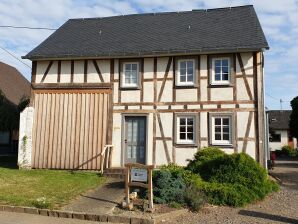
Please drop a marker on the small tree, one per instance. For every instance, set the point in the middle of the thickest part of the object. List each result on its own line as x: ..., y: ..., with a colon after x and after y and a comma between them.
x: 294, y: 117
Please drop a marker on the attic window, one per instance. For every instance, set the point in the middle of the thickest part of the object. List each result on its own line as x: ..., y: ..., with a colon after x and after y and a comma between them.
x: 130, y: 75
x: 221, y: 71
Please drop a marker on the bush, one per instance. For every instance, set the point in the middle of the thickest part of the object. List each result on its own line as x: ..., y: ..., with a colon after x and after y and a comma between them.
x: 194, y: 197
x: 169, y: 186
x: 234, y: 180
x: 203, y: 156
x: 176, y: 186
x: 286, y: 149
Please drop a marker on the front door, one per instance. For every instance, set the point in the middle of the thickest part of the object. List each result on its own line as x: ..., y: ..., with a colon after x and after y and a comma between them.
x: 135, y: 139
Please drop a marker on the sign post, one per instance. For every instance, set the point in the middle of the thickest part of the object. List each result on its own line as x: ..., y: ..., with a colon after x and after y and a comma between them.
x: 139, y: 175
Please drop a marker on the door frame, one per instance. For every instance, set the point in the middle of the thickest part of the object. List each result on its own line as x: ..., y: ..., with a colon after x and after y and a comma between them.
x: 123, y: 132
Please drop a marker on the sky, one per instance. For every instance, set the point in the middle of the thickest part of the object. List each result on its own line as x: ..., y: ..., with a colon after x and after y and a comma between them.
x: 279, y: 19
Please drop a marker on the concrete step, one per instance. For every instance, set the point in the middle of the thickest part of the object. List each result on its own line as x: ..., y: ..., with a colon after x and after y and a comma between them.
x: 115, y: 172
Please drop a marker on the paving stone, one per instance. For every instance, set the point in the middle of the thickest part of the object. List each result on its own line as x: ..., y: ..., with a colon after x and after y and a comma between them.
x: 92, y: 217
x: 77, y: 215
x: 44, y: 212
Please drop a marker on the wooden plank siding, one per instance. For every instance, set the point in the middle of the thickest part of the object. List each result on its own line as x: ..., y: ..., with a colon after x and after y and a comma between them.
x: 70, y: 129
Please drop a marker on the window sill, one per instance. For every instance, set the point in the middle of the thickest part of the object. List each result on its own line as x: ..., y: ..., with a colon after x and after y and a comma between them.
x: 223, y: 146
x: 185, y: 87
x: 185, y: 145
x: 220, y: 85
x: 124, y: 88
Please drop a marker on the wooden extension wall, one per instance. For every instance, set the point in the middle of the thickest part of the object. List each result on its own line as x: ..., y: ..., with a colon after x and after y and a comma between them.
x: 70, y: 129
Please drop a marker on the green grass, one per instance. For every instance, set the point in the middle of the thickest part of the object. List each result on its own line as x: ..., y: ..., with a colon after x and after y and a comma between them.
x: 43, y: 188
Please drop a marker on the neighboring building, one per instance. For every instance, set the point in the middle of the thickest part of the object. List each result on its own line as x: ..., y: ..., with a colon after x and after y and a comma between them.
x: 279, y: 129
x: 157, y: 86
x: 14, y: 86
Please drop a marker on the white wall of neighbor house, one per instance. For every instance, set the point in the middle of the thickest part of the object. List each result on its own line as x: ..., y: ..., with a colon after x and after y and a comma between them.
x: 284, y: 140
x: 180, y: 155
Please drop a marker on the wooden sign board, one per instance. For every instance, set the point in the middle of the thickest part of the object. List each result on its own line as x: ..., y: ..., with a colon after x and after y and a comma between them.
x: 139, y: 175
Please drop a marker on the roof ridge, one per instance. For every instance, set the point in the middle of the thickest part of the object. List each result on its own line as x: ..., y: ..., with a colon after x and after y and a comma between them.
x: 163, y: 13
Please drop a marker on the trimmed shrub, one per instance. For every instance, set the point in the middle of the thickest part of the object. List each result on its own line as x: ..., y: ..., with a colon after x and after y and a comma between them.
x: 194, y: 197
x: 234, y: 180
x: 203, y: 156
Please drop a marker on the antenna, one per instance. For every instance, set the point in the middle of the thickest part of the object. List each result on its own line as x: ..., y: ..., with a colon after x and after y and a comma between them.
x: 281, y: 101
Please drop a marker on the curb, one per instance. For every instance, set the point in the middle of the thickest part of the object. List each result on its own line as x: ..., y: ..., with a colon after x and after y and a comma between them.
x: 77, y: 215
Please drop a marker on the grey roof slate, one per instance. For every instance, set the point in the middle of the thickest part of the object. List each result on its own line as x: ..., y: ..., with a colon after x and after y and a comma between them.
x: 212, y: 30
x: 279, y: 119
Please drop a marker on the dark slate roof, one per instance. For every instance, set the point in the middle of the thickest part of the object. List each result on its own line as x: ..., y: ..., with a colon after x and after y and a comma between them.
x: 13, y: 84
x: 279, y: 119
x: 197, y: 31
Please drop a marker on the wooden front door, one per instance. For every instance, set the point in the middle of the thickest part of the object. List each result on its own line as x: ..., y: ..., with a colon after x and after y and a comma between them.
x: 135, y: 139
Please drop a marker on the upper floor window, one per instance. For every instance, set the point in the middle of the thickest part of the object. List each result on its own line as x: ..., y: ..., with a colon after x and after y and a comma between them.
x: 186, y: 72
x: 130, y: 74
x: 185, y: 129
x: 221, y: 130
x: 221, y: 71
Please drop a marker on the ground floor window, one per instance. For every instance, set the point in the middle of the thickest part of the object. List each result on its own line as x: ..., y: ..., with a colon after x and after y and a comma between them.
x: 185, y: 129
x: 275, y: 137
x: 221, y: 129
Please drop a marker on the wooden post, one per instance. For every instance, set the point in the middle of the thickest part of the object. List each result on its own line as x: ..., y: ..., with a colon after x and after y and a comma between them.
x: 150, y: 189
x: 127, y: 186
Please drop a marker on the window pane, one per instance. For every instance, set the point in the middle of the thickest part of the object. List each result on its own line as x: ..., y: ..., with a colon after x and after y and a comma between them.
x: 225, y: 62
x: 189, y: 136
x: 217, y: 77
x: 226, y: 121
x: 127, y: 67
x: 190, y: 64
x: 182, y: 128
x: 226, y: 129
x: 127, y: 80
x: 217, y: 137
x: 217, y: 121
x: 134, y: 80
x: 182, y: 64
x: 217, y: 63
x: 217, y: 70
x: 226, y: 137
x: 190, y: 78
x: 190, y: 71
x: 134, y: 67
x: 225, y: 69
x: 225, y: 76
x: 183, y: 78
x: 190, y: 121
x: 183, y: 71
x: 182, y: 121
x: 189, y: 128
x: 182, y: 136
x: 218, y: 129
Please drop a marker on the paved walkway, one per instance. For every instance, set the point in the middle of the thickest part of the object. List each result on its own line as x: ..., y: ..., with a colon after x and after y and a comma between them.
x: 100, y: 201
x: 281, y: 207
x: 22, y: 218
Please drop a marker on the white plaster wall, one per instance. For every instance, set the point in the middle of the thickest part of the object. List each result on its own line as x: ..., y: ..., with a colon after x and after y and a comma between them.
x: 65, y: 72
x: 161, y: 157
x: 167, y: 92
x: 40, y: 70
x: 167, y: 124
x: 148, y: 92
x: 117, y: 136
x: 148, y: 68
x: 52, y: 75
x: 104, y: 66
x: 92, y: 76
x: 218, y: 94
x: 78, y: 76
x: 25, y: 131
x: 162, y: 66
x: 284, y: 140
x: 186, y: 95
x: 183, y: 154
x: 130, y: 96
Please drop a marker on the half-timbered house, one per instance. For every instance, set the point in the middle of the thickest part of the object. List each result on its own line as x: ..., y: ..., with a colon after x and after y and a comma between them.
x: 154, y: 87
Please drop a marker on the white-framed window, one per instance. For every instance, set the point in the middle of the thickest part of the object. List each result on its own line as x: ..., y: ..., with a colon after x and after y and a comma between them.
x: 221, y: 71
x: 186, y: 72
x: 221, y: 129
x: 130, y: 74
x: 186, y: 129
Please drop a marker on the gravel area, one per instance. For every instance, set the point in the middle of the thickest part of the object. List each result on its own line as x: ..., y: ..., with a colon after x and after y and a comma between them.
x: 281, y: 207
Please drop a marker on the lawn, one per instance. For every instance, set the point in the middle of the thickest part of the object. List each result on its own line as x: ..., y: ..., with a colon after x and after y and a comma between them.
x: 42, y: 188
